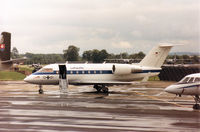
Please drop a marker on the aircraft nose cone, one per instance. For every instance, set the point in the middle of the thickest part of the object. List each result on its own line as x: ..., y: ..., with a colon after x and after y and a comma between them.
x: 168, y: 89
x: 27, y: 79
x: 172, y: 89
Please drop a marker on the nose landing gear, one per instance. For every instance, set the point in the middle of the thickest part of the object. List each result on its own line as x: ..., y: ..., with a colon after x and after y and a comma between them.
x: 41, y: 91
x: 196, y: 105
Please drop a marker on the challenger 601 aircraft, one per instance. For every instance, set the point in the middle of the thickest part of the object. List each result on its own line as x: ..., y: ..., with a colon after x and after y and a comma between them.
x: 189, y: 85
x: 102, y: 75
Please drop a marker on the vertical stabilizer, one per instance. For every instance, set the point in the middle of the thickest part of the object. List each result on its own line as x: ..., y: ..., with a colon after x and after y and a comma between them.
x: 156, y: 57
x: 5, y: 42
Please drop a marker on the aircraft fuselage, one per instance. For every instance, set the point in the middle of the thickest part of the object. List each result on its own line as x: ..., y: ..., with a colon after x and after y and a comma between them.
x: 86, y: 74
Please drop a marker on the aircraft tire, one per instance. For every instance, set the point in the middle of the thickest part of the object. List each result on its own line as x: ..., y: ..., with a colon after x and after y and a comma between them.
x: 41, y: 91
x: 196, y: 106
x: 105, y: 90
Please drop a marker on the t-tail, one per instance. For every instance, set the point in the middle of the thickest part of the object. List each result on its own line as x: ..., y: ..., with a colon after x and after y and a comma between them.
x: 5, y: 42
x: 156, y: 57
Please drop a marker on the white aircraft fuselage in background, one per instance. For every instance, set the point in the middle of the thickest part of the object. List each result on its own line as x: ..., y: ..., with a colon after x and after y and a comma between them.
x: 189, y: 85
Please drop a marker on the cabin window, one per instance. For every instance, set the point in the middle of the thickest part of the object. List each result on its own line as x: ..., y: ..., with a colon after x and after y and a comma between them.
x: 46, y: 70
x: 80, y: 72
x: 197, y: 79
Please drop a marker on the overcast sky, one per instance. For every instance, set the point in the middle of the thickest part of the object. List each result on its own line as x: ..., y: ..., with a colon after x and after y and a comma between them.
x: 49, y: 26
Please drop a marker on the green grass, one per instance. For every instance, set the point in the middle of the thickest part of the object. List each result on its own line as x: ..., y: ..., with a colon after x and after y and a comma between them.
x: 156, y: 78
x: 25, y: 68
x: 11, y: 76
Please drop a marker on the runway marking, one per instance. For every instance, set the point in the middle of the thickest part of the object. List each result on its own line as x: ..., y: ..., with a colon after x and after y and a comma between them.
x: 154, y: 98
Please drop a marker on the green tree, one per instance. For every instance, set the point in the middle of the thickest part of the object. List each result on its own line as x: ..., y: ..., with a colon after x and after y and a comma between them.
x: 95, y: 55
x: 72, y: 53
x: 196, y: 59
x: 186, y: 57
x: 43, y: 58
x: 103, y: 54
x: 14, y: 53
x: 141, y: 55
x: 87, y: 55
x: 124, y: 55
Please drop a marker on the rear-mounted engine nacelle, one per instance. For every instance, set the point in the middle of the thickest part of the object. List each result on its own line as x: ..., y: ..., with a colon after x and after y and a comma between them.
x: 125, y: 69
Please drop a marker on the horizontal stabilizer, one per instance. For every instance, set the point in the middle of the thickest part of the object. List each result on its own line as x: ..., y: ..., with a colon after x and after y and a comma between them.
x: 19, y: 60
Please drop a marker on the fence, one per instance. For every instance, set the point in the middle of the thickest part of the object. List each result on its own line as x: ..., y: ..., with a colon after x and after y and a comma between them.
x: 177, y: 72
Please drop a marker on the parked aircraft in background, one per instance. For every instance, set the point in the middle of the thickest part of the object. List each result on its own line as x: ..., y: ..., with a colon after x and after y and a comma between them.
x: 189, y: 85
x: 102, y: 75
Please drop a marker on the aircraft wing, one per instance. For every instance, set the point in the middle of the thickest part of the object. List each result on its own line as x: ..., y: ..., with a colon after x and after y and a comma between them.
x: 14, y: 60
x: 101, y: 82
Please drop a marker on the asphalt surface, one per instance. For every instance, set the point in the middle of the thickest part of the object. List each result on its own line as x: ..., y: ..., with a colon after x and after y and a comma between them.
x: 126, y: 108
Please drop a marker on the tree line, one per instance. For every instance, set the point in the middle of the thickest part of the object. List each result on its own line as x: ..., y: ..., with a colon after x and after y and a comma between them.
x: 72, y: 54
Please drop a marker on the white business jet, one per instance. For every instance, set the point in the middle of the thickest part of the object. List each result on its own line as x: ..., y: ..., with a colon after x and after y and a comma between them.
x: 102, y: 75
x: 189, y: 85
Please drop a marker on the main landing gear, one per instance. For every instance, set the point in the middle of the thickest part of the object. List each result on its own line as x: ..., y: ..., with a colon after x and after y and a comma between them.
x: 41, y: 91
x: 196, y: 105
x: 101, y: 88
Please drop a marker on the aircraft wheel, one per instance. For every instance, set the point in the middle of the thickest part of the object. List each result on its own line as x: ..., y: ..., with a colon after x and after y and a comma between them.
x: 98, y: 89
x: 105, y: 90
x: 41, y: 91
x: 196, y: 106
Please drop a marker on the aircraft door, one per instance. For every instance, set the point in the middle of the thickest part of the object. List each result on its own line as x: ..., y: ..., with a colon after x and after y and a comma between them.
x: 63, y: 81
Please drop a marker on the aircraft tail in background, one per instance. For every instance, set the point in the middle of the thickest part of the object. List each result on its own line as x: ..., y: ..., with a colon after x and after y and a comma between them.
x: 5, y: 44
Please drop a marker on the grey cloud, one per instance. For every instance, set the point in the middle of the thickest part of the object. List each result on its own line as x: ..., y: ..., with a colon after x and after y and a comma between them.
x: 99, y: 23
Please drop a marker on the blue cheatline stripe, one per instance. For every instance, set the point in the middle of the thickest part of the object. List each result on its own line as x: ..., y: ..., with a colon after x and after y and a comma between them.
x: 195, y: 85
x: 75, y: 72
x: 45, y: 73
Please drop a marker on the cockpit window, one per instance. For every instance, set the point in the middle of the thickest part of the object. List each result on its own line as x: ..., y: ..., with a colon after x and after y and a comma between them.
x: 46, y: 70
x: 197, y: 79
x: 184, y: 80
x: 191, y: 80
